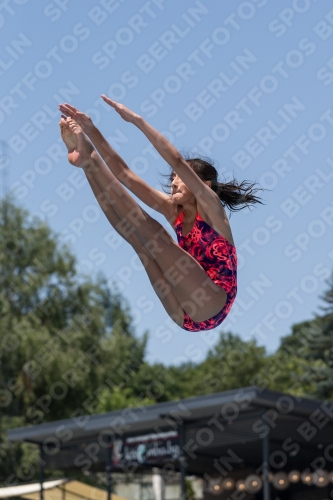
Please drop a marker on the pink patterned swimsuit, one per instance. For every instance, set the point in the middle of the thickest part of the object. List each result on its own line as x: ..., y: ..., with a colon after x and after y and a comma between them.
x: 219, y: 260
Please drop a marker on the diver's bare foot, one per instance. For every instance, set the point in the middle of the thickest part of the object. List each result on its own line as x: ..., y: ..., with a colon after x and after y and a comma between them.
x: 79, y: 147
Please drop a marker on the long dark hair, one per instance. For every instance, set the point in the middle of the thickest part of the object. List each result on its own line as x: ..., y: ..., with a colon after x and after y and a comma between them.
x: 232, y: 194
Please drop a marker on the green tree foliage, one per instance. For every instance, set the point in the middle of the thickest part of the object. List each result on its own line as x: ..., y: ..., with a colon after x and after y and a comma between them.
x: 64, y: 341
x: 232, y: 363
x: 320, y: 346
x: 190, y: 493
x: 311, y: 342
x: 295, y: 372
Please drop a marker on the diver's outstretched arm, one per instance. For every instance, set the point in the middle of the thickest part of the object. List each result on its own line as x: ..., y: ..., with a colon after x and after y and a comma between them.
x: 171, y: 155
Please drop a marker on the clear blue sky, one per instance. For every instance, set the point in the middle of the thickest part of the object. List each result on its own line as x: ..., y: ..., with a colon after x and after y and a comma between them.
x: 247, y: 83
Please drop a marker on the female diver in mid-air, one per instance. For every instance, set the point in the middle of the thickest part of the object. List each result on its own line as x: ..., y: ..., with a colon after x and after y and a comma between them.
x: 195, y: 280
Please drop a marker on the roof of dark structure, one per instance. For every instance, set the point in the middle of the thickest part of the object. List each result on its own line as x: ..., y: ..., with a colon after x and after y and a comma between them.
x: 240, y: 426
x: 145, y: 418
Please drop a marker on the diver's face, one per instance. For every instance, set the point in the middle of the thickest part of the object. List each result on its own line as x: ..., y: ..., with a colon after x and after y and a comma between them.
x: 180, y: 193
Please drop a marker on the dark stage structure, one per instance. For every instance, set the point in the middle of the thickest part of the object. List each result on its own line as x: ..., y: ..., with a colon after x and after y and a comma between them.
x: 249, y: 443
